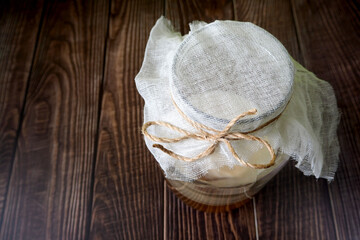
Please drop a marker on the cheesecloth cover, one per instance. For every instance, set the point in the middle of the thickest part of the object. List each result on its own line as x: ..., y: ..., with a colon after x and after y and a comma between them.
x: 220, y: 70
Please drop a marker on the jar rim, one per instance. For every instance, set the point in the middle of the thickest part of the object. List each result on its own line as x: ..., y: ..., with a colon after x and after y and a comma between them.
x: 194, y: 112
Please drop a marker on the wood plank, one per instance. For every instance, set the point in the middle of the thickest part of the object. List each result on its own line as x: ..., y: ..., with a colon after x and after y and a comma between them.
x: 128, y: 189
x: 291, y: 206
x: 49, y: 193
x: 181, y: 221
x: 275, y: 16
x: 181, y: 13
x: 19, y: 27
x: 330, y: 40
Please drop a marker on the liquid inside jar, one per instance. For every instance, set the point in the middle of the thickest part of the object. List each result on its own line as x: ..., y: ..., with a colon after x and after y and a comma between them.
x: 213, y: 193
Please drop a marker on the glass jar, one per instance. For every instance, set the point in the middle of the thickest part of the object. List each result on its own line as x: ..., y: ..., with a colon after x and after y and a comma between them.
x: 210, y: 196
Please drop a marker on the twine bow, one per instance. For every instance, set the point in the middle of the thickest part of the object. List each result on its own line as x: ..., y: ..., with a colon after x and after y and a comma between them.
x: 211, y: 135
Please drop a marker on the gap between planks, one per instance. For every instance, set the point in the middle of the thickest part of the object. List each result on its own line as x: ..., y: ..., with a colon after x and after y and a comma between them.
x: 165, y: 207
x: 333, y: 213
x: 255, y: 219
x: 97, y: 134
x: 22, y: 113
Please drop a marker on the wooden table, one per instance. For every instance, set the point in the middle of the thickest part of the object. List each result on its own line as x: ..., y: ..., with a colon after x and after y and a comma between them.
x: 73, y: 164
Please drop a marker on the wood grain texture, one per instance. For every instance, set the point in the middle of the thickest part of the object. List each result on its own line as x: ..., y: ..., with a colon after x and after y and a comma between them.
x: 291, y: 206
x: 19, y: 27
x: 181, y: 221
x: 80, y: 168
x: 329, y: 34
x: 128, y: 189
x: 275, y: 16
x: 181, y: 13
x: 50, y: 187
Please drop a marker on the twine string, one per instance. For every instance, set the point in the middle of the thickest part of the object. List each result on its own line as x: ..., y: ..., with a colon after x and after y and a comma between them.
x: 206, y: 133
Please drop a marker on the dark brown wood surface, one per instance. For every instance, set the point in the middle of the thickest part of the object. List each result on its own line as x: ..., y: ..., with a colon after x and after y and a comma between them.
x: 19, y: 27
x: 50, y: 187
x: 128, y: 188
x: 73, y: 164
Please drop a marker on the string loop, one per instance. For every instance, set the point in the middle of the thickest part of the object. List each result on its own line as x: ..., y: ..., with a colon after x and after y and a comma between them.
x: 209, y: 134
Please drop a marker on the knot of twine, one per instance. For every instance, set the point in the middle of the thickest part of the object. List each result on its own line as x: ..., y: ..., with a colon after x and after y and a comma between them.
x: 211, y: 135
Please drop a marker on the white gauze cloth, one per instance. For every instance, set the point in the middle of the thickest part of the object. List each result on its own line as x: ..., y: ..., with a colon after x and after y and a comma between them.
x: 220, y: 70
